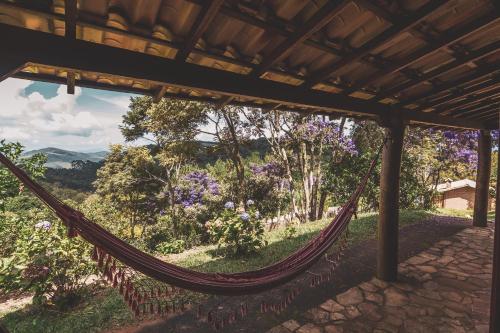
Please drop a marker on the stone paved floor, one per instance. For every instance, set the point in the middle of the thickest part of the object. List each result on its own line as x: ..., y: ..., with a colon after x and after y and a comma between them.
x: 445, y: 288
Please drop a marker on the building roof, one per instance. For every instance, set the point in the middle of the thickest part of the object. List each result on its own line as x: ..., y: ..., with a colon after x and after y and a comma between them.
x: 449, y: 186
x: 435, y: 63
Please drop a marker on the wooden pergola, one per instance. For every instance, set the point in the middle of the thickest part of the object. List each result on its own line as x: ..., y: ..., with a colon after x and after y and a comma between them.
x: 401, y: 63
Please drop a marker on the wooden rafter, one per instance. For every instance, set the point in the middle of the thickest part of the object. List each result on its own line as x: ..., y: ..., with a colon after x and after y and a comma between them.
x: 454, y: 98
x: 485, y: 111
x: 322, y: 17
x: 471, y: 57
x: 207, y: 14
x: 9, y: 66
x: 51, y: 50
x: 160, y: 93
x: 486, y: 71
x: 472, y: 111
x: 469, y: 102
x: 448, y: 38
x: 405, y: 25
x: 70, y: 17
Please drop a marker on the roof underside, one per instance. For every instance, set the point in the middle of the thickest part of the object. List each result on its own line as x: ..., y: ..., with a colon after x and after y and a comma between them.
x: 435, y: 63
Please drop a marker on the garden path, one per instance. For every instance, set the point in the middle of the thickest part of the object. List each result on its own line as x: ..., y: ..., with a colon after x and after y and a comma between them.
x: 445, y: 288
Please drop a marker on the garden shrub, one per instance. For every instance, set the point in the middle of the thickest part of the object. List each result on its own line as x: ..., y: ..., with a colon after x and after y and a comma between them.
x: 176, y: 246
x: 48, y: 263
x: 237, y: 232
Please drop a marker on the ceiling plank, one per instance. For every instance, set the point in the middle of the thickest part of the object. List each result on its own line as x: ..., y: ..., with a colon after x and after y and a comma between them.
x: 469, y: 102
x: 406, y: 24
x: 322, y: 17
x: 471, y: 57
x: 486, y: 71
x: 205, y: 17
x: 447, y: 38
x: 78, y: 55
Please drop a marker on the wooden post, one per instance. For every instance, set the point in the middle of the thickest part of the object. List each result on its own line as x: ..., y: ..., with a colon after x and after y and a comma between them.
x: 482, y: 180
x: 388, y: 229
x: 495, y: 284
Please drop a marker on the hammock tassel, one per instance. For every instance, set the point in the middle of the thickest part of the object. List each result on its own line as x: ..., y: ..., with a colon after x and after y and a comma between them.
x: 95, y: 257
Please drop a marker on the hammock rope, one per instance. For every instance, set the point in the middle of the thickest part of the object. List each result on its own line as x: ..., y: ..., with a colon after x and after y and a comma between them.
x: 108, y: 249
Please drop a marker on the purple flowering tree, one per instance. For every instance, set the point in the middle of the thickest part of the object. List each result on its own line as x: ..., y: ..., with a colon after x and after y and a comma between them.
x: 304, y: 144
x: 194, y: 187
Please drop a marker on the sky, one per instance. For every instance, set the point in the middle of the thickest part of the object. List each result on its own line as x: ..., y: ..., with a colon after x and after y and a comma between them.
x: 40, y: 115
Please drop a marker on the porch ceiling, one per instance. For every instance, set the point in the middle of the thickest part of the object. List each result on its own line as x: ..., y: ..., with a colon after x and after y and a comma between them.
x: 435, y: 63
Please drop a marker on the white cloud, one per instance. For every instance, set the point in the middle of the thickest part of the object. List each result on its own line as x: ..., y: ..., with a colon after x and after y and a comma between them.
x: 38, y: 121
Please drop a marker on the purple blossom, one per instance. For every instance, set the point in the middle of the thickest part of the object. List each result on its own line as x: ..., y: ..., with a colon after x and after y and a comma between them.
x: 250, y: 202
x: 229, y: 205
x: 245, y: 217
x: 193, y: 188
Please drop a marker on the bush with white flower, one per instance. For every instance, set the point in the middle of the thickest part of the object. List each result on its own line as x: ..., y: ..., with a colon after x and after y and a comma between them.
x: 46, y: 262
x: 237, y: 231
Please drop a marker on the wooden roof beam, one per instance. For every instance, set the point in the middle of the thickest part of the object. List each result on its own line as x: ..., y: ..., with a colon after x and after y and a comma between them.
x: 10, y: 65
x: 449, y: 37
x: 70, y: 17
x: 456, y: 97
x: 78, y: 55
x: 471, y: 57
x: 407, y: 24
x: 467, y: 112
x: 485, y: 110
x: 486, y: 71
x: 207, y: 14
x: 471, y: 101
x: 322, y: 17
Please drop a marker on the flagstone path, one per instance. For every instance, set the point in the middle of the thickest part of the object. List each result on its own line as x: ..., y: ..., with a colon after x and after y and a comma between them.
x: 445, y: 288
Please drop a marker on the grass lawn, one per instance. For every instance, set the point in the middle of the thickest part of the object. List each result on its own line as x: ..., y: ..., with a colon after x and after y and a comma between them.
x: 106, y: 309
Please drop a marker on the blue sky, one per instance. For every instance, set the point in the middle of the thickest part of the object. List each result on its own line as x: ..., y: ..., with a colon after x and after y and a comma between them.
x: 42, y: 115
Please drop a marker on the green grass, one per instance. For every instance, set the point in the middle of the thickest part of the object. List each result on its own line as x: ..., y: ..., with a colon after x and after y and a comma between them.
x: 462, y: 213
x: 107, y: 310
x: 205, y: 258
x: 102, y: 311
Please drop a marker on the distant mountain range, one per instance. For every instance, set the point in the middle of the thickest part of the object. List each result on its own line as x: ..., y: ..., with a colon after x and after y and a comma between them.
x: 61, y: 159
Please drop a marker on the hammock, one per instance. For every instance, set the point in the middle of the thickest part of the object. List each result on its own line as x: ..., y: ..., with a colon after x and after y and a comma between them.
x: 109, y: 248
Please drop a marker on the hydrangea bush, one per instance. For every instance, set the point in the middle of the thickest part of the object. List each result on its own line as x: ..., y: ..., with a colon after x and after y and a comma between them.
x: 47, y: 263
x: 237, y: 232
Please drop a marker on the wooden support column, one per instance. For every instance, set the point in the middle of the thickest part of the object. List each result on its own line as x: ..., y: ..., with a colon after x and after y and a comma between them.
x: 388, y: 224
x: 482, y: 179
x: 495, y: 284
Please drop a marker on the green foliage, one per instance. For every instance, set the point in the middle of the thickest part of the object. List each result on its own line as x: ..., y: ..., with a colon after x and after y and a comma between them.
x: 237, y: 233
x: 46, y: 262
x: 125, y: 183
x: 79, y: 177
x: 290, y: 231
x: 176, y: 246
x: 34, y: 166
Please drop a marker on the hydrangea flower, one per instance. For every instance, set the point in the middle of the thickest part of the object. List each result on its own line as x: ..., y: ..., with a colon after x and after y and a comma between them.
x: 45, y: 225
x: 229, y: 205
x: 193, y: 187
x: 250, y: 202
x: 245, y: 217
